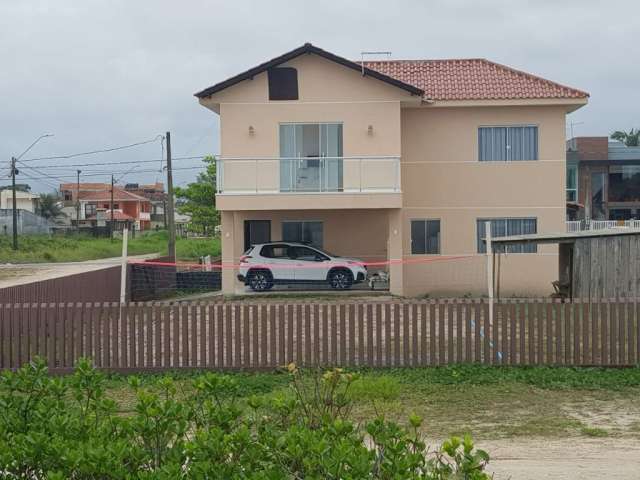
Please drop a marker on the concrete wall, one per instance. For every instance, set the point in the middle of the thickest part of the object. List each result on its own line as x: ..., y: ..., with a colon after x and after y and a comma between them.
x: 28, y: 223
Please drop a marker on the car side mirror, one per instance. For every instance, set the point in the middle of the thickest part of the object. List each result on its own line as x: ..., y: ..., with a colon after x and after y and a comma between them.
x: 319, y: 258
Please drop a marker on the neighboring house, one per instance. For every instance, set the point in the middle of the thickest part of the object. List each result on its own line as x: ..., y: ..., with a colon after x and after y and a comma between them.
x: 129, y: 209
x: 603, y: 180
x: 24, y: 200
x: 156, y: 195
x: 399, y: 161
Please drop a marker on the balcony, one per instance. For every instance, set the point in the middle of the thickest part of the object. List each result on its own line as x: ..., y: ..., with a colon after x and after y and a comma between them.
x: 297, y: 182
x: 587, y: 225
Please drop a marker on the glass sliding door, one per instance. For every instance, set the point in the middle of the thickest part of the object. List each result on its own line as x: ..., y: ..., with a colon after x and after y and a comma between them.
x: 598, y: 206
x: 311, y: 157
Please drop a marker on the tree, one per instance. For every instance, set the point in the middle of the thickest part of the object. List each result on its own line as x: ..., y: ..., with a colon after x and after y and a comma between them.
x: 48, y: 206
x: 198, y: 199
x: 630, y: 139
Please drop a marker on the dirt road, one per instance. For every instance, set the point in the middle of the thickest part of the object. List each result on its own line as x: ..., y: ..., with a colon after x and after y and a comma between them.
x: 571, y: 458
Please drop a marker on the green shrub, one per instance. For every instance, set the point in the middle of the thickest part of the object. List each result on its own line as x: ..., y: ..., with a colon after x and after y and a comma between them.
x: 59, y: 428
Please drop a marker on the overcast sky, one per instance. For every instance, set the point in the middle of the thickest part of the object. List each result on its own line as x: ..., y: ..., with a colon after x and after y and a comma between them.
x: 100, y: 73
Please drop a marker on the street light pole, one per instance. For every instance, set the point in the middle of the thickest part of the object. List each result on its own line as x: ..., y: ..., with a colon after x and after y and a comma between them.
x: 14, y: 172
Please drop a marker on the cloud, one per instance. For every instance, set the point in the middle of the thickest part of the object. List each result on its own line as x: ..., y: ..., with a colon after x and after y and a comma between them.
x: 102, y: 73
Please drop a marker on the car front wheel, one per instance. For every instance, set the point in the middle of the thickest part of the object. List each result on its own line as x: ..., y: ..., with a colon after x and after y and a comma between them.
x: 260, y: 280
x: 341, y: 279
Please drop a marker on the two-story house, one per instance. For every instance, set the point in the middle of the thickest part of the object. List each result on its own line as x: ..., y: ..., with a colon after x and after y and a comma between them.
x: 400, y: 162
x: 603, y: 180
x: 93, y: 203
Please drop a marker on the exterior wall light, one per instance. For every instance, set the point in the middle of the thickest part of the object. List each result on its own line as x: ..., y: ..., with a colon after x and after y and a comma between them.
x: 252, y: 131
x: 370, y: 130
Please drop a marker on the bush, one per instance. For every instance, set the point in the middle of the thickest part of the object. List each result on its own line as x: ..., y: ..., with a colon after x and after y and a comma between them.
x: 58, y: 428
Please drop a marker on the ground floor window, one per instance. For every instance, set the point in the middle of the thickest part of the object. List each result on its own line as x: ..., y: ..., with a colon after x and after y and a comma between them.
x: 89, y: 209
x: 256, y: 231
x: 303, y: 231
x: 425, y: 237
x: 504, y: 227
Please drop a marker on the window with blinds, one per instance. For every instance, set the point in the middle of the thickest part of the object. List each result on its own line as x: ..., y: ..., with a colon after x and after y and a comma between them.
x: 505, y: 227
x: 506, y: 144
x: 425, y: 237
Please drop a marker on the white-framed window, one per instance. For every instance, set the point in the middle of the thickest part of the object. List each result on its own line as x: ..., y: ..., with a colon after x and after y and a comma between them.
x: 306, y: 231
x: 505, y: 227
x: 507, y: 143
x: 425, y: 237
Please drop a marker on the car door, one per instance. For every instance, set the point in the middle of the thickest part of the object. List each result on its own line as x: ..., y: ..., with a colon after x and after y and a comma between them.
x: 310, y: 265
x: 276, y: 258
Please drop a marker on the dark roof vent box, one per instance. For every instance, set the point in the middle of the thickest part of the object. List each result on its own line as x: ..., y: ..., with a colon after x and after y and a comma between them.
x: 283, y: 83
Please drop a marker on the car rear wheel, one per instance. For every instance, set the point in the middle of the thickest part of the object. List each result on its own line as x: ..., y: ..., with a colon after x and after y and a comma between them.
x: 260, y: 280
x: 340, y: 279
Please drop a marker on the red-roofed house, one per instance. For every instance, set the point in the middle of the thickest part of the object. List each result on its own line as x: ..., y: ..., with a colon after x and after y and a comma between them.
x: 129, y: 209
x: 401, y: 161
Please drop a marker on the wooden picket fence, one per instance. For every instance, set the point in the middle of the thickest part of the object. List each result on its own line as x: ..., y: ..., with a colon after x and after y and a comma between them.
x: 265, y: 335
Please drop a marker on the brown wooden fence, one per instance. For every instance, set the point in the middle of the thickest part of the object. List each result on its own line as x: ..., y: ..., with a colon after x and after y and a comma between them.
x: 101, y: 285
x: 142, y: 336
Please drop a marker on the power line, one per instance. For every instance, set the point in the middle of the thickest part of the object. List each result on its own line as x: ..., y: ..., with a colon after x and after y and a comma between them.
x: 92, y: 152
x: 125, y: 162
x: 49, y: 184
x: 39, y: 172
x: 105, y: 173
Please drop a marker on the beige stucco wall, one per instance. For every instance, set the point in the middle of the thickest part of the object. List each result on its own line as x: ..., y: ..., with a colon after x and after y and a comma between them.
x: 328, y: 92
x: 443, y: 179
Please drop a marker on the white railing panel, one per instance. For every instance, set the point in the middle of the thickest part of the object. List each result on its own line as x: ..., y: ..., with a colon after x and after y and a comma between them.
x: 308, y: 175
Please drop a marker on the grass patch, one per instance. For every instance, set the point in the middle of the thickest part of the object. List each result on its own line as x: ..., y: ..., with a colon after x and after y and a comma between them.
x: 44, y: 248
x: 594, y: 432
x: 541, y: 377
x: 371, y: 387
x: 488, y: 402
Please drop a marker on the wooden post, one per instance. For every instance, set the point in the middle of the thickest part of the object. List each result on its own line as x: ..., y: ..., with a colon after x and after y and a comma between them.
x: 487, y: 236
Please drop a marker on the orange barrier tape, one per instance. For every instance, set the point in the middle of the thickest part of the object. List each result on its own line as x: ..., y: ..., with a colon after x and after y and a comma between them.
x: 336, y: 263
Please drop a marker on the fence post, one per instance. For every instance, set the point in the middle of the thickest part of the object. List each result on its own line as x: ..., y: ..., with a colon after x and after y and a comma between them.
x: 487, y: 236
x: 123, y: 271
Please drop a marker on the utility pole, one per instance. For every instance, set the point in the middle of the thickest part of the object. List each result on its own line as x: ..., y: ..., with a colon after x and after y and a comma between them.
x: 14, y: 206
x: 111, y: 222
x: 14, y: 172
x: 169, y: 212
x: 78, y: 202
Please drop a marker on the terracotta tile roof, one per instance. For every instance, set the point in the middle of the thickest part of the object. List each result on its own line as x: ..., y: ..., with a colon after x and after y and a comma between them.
x: 117, y: 215
x: 472, y: 79
x: 84, y: 186
x: 105, y: 195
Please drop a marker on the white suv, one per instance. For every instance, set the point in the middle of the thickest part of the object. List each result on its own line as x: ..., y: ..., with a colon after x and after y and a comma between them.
x: 266, y: 264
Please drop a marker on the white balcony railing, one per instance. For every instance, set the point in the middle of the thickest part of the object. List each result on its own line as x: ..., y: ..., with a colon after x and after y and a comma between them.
x: 584, y: 225
x: 308, y: 175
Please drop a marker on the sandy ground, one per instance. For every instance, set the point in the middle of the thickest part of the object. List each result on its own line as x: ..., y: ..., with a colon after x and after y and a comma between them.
x: 19, y: 274
x: 570, y: 458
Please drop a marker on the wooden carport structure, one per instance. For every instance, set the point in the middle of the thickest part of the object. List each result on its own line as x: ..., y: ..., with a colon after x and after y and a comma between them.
x: 592, y: 264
